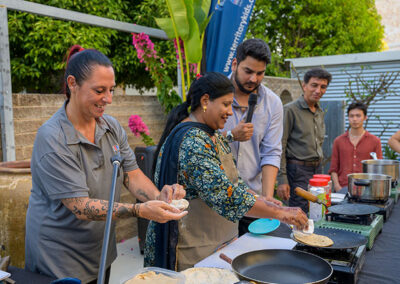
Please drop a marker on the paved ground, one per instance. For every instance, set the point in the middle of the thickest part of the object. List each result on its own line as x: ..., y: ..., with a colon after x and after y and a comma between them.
x: 128, y: 262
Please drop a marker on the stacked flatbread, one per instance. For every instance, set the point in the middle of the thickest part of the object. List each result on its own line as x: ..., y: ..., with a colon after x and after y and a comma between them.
x: 208, y: 275
x: 151, y: 277
x: 313, y: 240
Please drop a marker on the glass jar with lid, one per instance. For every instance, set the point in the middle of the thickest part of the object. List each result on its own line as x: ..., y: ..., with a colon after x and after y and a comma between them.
x: 318, y: 187
x: 329, y: 192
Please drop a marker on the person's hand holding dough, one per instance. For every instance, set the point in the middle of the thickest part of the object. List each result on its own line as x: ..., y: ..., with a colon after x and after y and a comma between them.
x: 180, y: 204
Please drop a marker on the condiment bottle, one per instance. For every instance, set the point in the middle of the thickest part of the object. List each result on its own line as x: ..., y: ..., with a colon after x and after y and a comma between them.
x: 317, y: 187
x: 329, y: 192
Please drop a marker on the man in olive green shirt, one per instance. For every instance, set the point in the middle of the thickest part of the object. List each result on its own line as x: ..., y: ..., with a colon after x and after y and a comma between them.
x: 303, y: 135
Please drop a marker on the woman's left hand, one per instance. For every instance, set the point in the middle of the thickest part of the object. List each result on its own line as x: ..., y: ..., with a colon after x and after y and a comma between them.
x: 170, y: 192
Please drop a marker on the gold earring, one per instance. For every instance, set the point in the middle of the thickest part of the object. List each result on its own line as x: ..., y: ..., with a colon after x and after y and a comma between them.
x: 204, y: 108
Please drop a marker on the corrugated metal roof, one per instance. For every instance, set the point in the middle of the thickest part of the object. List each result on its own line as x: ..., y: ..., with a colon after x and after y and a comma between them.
x: 342, y: 71
x: 353, y: 58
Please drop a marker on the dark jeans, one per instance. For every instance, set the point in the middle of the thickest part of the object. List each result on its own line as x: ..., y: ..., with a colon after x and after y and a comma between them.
x: 298, y: 176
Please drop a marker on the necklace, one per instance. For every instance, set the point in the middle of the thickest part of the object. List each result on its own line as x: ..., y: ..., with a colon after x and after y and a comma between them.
x: 356, y: 136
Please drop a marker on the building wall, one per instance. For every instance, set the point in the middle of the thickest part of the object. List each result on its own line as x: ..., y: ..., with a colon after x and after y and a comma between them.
x: 390, y: 11
x: 287, y: 89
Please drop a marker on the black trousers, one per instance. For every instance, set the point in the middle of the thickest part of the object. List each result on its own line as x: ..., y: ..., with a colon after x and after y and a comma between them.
x: 298, y: 176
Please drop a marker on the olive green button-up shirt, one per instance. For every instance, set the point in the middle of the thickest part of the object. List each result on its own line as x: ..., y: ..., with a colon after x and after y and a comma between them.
x: 303, y: 134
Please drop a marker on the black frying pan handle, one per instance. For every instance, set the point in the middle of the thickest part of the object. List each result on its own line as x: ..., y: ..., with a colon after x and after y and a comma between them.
x: 225, y: 257
x: 362, y: 182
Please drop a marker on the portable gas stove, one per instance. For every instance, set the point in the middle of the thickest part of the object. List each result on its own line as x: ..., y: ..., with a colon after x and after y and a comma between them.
x: 385, y: 207
x: 346, y: 263
x: 395, y: 193
x: 369, y: 226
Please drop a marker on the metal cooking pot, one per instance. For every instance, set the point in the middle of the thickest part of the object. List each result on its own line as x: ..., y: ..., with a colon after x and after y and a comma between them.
x: 384, y: 167
x: 369, y: 187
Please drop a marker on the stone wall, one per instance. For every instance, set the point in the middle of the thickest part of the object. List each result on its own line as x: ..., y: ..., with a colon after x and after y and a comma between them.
x: 286, y: 88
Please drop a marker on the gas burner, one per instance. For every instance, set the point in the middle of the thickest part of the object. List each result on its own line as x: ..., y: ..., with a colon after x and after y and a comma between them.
x: 351, y: 219
x: 346, y: 263
x: 385, y: 207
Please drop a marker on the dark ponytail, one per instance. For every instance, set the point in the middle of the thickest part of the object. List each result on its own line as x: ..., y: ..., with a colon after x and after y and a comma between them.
x: 212, y: 83
x: 80, y: 64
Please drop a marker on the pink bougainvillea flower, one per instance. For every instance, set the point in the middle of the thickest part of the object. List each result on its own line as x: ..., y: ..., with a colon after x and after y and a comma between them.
x: 137, y: 125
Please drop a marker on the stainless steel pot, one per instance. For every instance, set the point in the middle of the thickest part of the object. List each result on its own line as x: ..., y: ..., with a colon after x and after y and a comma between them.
x: 369, y: 187
x: 384, y: 167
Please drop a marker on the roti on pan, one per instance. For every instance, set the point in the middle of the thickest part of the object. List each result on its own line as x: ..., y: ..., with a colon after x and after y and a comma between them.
x: 180, y: 204
x: 313, y: 240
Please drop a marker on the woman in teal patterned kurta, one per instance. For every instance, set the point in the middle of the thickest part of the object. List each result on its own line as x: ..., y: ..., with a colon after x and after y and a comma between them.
x: 198, y: 157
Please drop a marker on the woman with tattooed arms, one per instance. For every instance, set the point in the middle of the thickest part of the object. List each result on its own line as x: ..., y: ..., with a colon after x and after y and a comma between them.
x: 71, y: 177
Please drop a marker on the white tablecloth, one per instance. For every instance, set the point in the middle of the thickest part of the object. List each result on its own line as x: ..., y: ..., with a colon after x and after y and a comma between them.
x: 247, y: 242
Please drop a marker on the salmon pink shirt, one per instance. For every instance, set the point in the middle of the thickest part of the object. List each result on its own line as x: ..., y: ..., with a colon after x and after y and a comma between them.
x: 346, y: 158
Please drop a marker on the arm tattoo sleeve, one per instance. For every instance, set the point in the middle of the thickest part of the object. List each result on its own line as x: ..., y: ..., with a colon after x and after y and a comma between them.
x: 96, y: 209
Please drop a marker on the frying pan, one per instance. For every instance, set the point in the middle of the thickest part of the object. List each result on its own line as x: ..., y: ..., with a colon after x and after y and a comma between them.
x: 351, y: 209
x: 341, y: 239
x: 280, y: 266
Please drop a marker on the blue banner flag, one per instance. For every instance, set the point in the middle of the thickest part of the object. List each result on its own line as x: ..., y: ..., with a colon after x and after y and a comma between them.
x: 225, y: 32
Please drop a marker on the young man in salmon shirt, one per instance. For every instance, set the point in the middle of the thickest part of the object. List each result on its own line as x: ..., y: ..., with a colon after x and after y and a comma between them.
x: 350, y: 148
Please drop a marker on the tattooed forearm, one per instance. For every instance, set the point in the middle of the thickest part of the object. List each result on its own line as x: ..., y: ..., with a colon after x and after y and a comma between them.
x: 123, y: 212
x: 85, y: 208
x: 142, y: 195
x: 92, y: 210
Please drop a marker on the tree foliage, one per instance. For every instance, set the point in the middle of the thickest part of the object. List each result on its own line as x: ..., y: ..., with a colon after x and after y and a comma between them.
x: 38, y: 45
x: 303, y: 28
x: 293, y: 28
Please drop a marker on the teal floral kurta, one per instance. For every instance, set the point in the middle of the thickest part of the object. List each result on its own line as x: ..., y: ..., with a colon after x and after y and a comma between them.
x: 202, y: 175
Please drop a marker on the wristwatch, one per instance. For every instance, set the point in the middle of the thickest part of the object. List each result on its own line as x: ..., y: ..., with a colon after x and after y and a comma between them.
x: 229, y: 136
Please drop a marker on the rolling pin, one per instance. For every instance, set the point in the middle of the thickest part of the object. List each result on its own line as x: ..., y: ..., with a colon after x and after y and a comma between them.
x: 309, y: 196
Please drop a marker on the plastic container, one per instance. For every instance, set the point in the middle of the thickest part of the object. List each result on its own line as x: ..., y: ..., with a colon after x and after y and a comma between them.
x: 317, y: 187
x: 329, y: 192
x: 169, y: 273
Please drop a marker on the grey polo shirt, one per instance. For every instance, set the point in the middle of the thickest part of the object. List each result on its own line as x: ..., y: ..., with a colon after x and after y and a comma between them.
x: 303, y: 134
x: 66, y: 165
